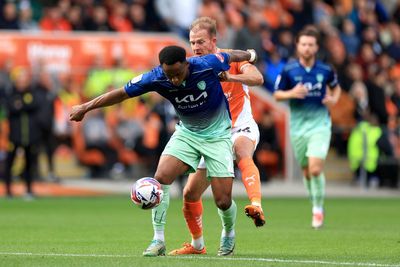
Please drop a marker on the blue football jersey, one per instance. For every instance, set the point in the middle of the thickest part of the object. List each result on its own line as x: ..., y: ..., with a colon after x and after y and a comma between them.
x: 199, y: 101
x: 309, y: 111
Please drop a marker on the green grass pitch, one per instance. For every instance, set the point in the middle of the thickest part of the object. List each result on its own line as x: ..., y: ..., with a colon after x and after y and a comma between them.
x: 111, y: 231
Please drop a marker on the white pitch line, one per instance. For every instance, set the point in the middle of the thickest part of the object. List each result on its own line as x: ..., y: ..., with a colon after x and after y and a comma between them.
x: 318, y: 262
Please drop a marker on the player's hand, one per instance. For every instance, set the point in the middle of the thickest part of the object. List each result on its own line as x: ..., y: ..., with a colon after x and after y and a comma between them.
x: 329, y: 101
x: 299, y: 91
x: 224, y: 76
x: 253, y: 56
x: 77, y: 113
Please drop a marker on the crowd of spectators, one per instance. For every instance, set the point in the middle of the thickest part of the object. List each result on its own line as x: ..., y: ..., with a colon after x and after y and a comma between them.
x: 360, y: 38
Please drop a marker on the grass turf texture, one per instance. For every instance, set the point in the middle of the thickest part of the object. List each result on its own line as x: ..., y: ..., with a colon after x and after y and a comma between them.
x: 111, y: 231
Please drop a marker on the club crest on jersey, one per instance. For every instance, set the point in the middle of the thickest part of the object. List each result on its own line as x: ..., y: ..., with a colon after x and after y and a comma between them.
x: 201, y: 85
x: 320, y: 77
x: 220, y: 57
x: 137, y: 79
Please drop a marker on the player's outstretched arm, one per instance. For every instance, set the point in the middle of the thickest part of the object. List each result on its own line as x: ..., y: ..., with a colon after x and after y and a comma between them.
x: 240, y: 55
x: 108, y: 99
x: 249, y: 75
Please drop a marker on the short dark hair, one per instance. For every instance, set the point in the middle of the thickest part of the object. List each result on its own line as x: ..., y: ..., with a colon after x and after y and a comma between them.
x: 172, y: 54
x: 309, y: 30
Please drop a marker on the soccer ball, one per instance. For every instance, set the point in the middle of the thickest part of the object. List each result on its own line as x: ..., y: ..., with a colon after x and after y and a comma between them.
x: 146, y: 193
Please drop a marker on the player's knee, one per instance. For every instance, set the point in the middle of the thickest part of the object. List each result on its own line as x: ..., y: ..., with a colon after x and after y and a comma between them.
x: 315, y: 171
x: 191, y: 194
x: 223, y: 203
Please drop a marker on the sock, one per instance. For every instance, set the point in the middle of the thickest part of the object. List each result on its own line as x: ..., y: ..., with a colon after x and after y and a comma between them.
x: 159, y: 215
x: 159, y: 235
x: 228, y: 234
x: 228, y: 219
x: 316, y: 209
x: 193, y: 211
x: 198, y: 243
x: 307, y: 184
x: 318, y: 190
x: 251, y: 180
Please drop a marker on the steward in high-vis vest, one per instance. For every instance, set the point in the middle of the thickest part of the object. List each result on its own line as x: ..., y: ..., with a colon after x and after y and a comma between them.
x: 362, y: 149
x: 367, y: 144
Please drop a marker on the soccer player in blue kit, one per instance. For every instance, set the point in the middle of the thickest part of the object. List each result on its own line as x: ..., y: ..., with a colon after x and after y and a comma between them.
x: 310, y: 86
x: 193, y: 87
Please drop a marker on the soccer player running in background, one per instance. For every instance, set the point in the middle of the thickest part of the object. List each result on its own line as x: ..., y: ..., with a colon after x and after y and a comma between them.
x: 245, y: 136
x: 311, y: 88
x: 193, y: 87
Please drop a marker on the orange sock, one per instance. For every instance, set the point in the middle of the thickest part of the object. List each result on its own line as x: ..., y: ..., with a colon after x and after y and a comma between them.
x: 193, y: 211
x: 251, y: 179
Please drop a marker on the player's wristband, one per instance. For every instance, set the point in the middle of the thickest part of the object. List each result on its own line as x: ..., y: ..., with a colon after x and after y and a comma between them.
x: 253, y: 55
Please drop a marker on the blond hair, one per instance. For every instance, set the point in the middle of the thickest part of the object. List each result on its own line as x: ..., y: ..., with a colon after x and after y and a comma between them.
x: 204, y: 23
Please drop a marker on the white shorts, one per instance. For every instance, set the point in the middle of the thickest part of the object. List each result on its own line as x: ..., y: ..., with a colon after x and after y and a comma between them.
x: 249, y: 130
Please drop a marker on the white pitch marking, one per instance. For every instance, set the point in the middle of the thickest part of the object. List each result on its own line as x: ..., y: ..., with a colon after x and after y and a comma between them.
x: 205, y: 258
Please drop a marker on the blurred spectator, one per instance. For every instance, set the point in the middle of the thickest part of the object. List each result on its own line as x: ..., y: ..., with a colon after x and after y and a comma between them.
x: 393, y: 49
x: 45, y: 120
x: 273, y: 67
x: 98, y: 79
x: 118, y: 18
x: 210, y: 8
x: 154, y: 22
x: 121, y: 73
x: 178, y: 15
x: 9, y: 18
x: 233, y: 11
x: 322, y: 14
x: 74, y: 15
x: 367, y: 144
x: 53, y: 20
x: 25, y: 22
x: 396, y: 13
x: 370, y: 36
x: 268, y: 152
x: 226, y: 33
x: 22, y: 107
x: 5, y: 78
x: 99, y: 20
x: 284, y: 43
x: 358, y: 91
x: 349, y: 38
x: 343, y: 121
x: 97, y: 137
x: 249, y: 35
x: 302, y: 13
x: 275, y: 15
x: 68, y: 96
x: 367, y: 59
x: 137, y: 17
x: 376, y: 95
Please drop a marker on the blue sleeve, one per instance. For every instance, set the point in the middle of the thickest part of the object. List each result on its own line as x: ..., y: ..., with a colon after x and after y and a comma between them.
x: 381, y: 12
x: 139, y: 85
x: 281, y: 82
x: 332, y: 79
x: 218, y: 61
